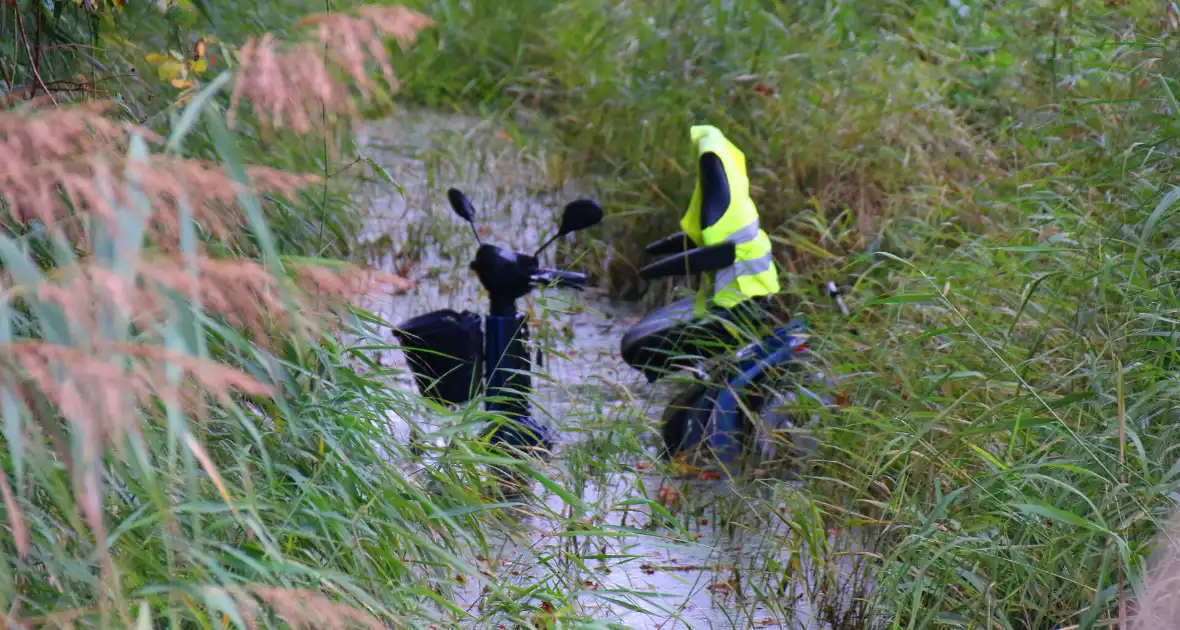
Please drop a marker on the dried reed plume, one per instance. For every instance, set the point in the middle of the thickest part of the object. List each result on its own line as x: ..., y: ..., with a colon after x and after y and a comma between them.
x: 295, y: 85
x: 210, y: 193
x: 348, y: 282
x: 242, y: 291
x: 1158, y: 605
x: 98, y: 388
x: 43, y: 150
x: 49, y: 157
x: 102, y: 390
x: 31, y: 135
x: 299, y: 608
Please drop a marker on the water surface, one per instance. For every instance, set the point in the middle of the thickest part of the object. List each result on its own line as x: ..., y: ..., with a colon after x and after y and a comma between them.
x: 732, y: 571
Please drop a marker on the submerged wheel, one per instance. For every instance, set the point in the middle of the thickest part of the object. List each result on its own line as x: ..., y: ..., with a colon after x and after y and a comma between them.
x: 685, y: 411
x: 773, y: 434
x: 779, y: 436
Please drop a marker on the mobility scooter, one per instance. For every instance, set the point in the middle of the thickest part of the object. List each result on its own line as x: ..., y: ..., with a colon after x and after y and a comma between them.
x: 754, y: 378
x: 452, y: 354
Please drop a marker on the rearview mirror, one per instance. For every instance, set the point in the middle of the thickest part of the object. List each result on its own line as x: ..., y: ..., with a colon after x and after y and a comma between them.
x: 461, y: 205
x: 579, y: 215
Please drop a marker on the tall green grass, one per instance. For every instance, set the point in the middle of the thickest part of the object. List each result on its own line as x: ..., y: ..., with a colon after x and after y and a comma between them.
x: 994, y: 184
x: 181, y: 447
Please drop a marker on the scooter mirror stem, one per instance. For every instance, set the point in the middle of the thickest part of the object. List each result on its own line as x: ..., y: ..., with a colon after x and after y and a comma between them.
x: 547, y: 243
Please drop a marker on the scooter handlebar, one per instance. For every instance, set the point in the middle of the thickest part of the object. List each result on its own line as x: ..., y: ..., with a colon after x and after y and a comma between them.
x: 698, y: 260
x: 560, y: 279
x: 672, y: 244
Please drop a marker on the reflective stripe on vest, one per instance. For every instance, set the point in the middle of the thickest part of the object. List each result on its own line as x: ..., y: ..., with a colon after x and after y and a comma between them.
x: 730, y: 274
x: 727, y: 276
x: 746, y: 234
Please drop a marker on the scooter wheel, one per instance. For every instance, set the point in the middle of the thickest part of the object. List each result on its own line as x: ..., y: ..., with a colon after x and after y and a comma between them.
x: 681, y: 411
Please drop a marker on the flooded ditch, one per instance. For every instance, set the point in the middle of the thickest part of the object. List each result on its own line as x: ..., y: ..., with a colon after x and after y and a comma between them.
x: 739, y: 564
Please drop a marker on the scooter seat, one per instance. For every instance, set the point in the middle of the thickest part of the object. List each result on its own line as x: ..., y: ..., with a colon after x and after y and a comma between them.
x: 675, y: 336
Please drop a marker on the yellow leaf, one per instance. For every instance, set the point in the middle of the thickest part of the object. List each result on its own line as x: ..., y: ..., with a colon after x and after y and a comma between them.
x: 199, y: 65
x: 179, y: 82
x: 170, y: 69
x: 157, y: 57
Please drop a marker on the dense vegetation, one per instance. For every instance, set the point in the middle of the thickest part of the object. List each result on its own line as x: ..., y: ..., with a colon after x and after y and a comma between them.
x: 995, y: 182
x: 992, y: 180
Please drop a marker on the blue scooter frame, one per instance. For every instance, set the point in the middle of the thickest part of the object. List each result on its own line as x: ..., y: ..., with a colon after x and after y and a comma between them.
x: 714, y: 416
x: 786, y: 347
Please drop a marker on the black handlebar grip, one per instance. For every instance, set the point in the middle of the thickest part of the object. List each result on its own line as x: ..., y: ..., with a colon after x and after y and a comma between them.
x: 561, y: 279
x: 671, y: 244
x: 698, y: 260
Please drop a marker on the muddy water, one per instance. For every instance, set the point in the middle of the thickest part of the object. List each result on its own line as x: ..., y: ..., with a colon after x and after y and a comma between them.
x: 715, y: 574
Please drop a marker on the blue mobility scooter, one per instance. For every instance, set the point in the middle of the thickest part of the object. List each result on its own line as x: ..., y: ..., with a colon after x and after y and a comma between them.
x: 754, y: 376
x: 451, y: 354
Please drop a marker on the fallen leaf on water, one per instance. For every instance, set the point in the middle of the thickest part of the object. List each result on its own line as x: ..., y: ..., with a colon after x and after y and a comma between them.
x: 681, y: 468
x: 642, y: 465
x: 709, y: 475
x: 721, y: 587
x: 667, y: 496
x: 704, y: 521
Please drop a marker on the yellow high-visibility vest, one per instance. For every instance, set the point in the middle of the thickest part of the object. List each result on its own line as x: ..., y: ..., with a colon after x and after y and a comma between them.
x: 753, y: 273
